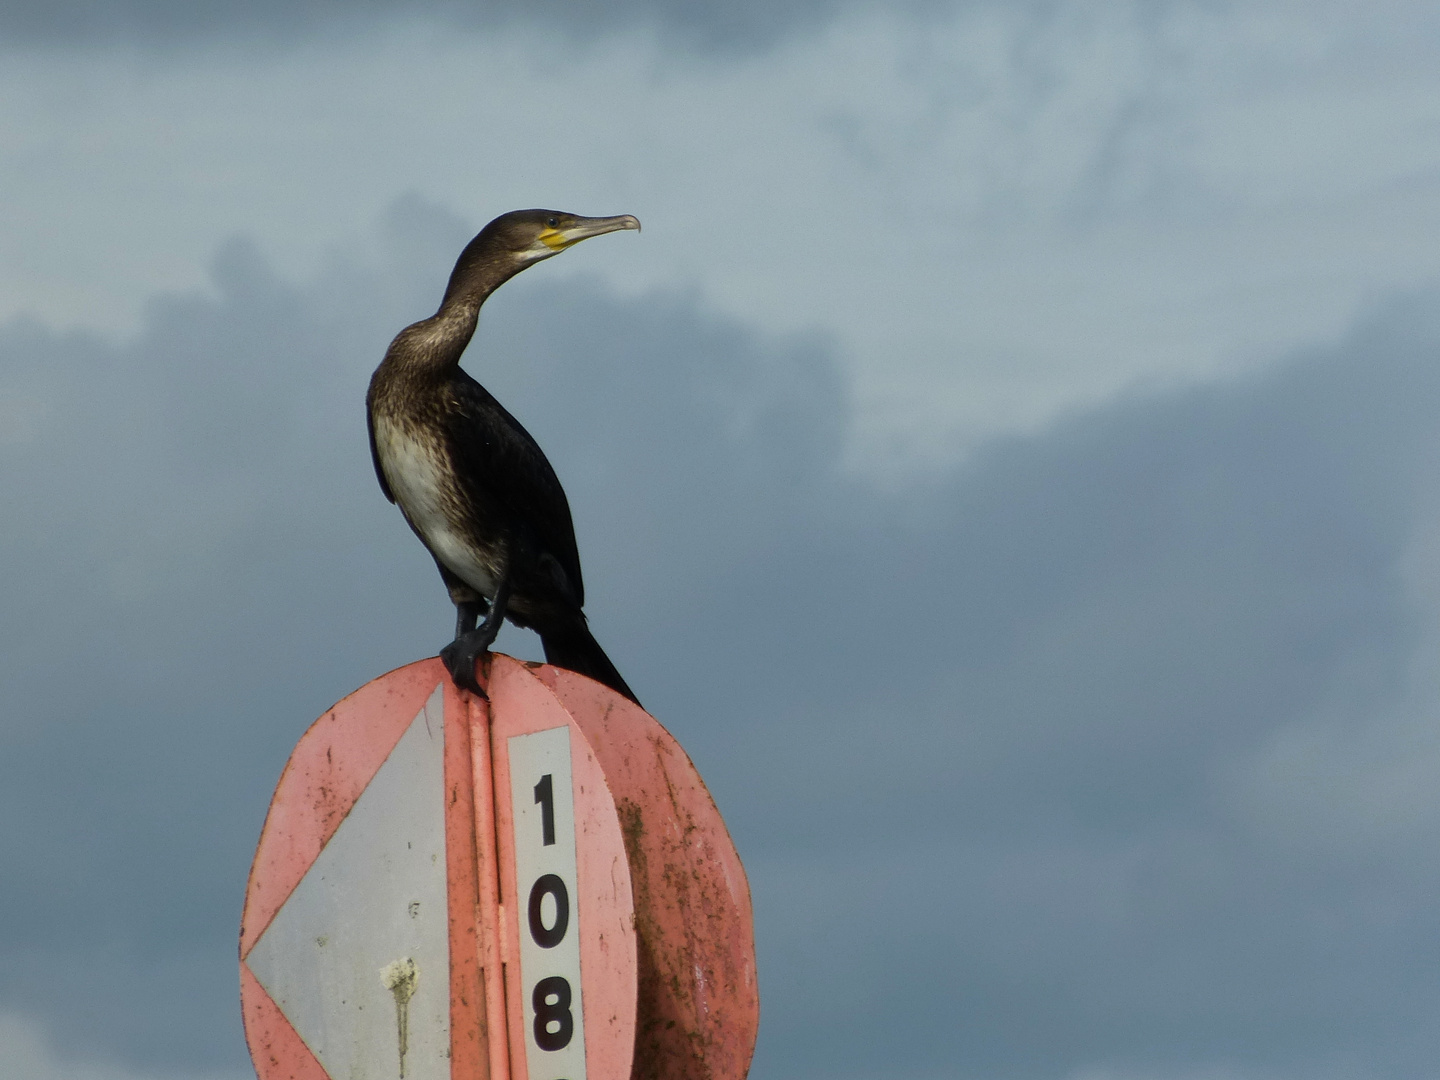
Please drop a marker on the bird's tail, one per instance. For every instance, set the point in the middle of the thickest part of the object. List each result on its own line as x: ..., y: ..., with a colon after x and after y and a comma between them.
x: 574, y: 648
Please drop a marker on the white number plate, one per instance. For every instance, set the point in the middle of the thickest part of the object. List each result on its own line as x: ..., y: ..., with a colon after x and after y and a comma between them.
x: 549, y: 922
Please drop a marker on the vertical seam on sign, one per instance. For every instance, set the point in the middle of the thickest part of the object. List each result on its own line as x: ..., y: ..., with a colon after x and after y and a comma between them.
x: 502, y: 922
x: 454, y: 708
x: 488, y: 860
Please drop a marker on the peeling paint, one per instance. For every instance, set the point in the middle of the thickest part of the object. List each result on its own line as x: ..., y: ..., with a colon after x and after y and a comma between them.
x: 697, y: 1012
x: 691, y: 1009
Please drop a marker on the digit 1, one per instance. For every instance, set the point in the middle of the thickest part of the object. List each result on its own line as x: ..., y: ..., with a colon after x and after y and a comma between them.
x: 545, y: 796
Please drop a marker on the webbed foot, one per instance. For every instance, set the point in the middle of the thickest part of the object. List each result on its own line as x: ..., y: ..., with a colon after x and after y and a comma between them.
x: 460, y: 657
x: 470, y: 640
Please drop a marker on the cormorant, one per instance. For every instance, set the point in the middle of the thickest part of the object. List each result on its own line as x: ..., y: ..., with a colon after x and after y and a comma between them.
x: 472, y: 483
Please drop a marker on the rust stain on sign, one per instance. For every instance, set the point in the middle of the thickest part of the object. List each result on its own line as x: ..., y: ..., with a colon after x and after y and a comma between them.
x: 399, y: 978
x: 659, y: 897
x: 698, y: 1008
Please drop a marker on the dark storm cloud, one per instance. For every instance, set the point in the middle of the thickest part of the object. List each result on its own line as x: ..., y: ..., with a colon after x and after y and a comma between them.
x: 703, y: 25
x: 978, y: 740
x: 972, y: 738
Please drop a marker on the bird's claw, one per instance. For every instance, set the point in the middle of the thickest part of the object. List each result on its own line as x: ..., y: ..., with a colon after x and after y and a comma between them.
x: 460, y: 657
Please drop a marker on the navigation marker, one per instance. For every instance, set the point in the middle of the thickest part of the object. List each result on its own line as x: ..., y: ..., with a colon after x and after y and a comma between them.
x: 536, y: 886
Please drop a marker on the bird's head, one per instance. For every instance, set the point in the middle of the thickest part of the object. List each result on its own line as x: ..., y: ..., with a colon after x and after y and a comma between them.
x: 531, y: 235
x: 513, y: 241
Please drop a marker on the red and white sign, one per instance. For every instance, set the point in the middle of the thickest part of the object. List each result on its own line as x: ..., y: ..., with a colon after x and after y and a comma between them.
x: 443, y: 890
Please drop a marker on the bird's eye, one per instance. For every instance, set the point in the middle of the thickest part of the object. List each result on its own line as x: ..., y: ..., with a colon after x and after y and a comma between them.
x: 554, y: 222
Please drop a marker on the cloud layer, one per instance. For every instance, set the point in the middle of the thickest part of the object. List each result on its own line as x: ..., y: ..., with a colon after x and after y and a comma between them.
x: 738, y: 27
x: 1109, y: 750
x: 1005, y: 462
x: 996, y: 214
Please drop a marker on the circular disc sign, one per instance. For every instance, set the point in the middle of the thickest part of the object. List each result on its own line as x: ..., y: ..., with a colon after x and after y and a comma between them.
x: 533, y: 887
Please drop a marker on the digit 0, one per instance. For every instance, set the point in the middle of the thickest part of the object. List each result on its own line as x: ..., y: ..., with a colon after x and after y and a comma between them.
x: 557, y: 1013
x: 547, y: 937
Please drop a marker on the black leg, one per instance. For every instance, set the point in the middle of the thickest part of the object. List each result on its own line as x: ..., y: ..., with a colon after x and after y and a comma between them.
x: 491, y: 626
x: 470, y: 641
x: 467, y: 614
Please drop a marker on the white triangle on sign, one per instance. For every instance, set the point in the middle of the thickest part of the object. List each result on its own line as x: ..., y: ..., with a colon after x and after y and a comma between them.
x: 358, y: 957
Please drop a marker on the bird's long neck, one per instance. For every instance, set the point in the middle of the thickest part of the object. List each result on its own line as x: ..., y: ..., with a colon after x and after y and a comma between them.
x: 434, y: 345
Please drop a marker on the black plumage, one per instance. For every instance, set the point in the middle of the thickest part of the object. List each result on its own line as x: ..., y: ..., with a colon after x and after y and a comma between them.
x: 472, y: 483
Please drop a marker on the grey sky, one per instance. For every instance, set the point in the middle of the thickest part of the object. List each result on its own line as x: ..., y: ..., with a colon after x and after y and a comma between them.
x: 1082, y: 757
x: 997, y: 215
x: 741, y: 27
x: 1004, y: 460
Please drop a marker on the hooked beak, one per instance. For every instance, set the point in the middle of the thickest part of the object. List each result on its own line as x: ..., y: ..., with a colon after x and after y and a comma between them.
x: 584, y: 228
